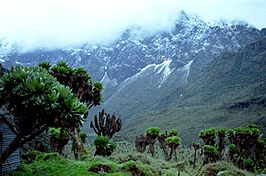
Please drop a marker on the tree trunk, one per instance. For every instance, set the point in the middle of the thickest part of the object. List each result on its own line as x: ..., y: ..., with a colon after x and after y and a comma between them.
x: 10, y: 149
x: 152, y: 150
x: 195, y: 158
x: 18, y: 141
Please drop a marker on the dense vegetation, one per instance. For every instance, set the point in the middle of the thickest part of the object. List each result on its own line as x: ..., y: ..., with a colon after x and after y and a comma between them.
x: 126, y: 160
x: 45, y: 91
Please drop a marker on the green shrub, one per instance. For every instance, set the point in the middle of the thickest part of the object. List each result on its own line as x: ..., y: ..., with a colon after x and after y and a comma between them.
x: 222, y: 131
x: 83, y: 136
x: 155, y: 131
x: 99, y: 167
x: 249, y: 163
x: 30, y: 156
x: 47, y: 156
x: 261, y: 141
x: 104, y: 147
x: 163, y: 133
x: 101, y: 141
x: 209, y: 149
x: 46, y: 65
x: 136, y: 168
x: 173, y: 140
x: 209, y: 131
x: 55, y: 132
x: 172, y: 133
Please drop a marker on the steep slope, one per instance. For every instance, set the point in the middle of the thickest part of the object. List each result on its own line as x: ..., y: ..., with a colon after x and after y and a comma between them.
x: 144, y: 91
x: 231, y: 91
x: 149, y: 73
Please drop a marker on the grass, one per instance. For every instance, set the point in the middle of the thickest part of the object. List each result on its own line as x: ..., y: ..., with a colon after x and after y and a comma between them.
x: 125, y: 161
x: 121, y: 163
x: 61, y: 166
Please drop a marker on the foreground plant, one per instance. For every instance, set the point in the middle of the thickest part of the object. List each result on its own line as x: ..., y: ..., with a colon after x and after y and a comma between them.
x: 87, y: 91
x: 104, y: 146
x: 58, y: 139
x: 37, y: 101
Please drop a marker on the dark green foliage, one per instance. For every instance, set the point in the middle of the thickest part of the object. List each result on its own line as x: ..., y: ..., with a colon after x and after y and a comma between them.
x: 244, y: 144
x: 172, y: 133
x: 46, y: 156
x: 173, y: 140
x: 247, y: 147
x: 249, y: 164
x: 153, y: 131
x: 210, y: 154
x: 81, y: 85
x: 29, y: 156
x: 209, y: 149
x: 136, y: 168
x: 45, y: 65
x: 163, y: 134
x: 83, y: 136
x: 55, y: 132
x: 208, y: 136
x: 79, y: 80
x: 38, y: 101
x: 99, y: 167
x: 32, y: 90
x: 104, y: 147
x: 58, y: 139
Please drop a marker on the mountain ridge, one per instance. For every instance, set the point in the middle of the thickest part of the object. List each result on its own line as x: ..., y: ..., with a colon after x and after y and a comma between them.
x: 157, y: 73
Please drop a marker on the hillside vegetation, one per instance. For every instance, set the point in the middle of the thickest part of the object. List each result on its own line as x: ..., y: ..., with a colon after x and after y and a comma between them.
x: 229, y: 92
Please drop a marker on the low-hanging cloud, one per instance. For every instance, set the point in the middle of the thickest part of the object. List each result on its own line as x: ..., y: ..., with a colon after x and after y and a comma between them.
x: 53, y: 24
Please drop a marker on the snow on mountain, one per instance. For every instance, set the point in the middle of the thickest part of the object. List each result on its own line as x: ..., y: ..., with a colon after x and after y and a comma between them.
x: 106, y: 81
x: 139, y: 69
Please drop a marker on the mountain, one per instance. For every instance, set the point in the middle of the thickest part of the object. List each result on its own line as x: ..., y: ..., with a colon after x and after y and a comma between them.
x: 160, y: 72
x: 229, y: 92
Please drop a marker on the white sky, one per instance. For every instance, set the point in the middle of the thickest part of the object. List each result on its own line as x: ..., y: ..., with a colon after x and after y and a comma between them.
x: 65, y: 23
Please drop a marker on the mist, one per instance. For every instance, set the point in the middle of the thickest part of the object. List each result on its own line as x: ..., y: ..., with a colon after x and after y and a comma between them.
x: 51, y: 24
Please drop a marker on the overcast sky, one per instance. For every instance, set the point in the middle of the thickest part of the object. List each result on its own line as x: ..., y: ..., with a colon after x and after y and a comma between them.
x: 66, y: 23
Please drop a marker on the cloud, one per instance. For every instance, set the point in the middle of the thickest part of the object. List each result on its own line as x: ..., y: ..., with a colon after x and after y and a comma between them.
x: 69, y: 23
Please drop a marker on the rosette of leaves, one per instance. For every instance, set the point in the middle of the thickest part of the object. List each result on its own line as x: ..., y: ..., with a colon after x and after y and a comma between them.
x: 173, y: 133
x: 246, y: 137
x: 249, y: 165
x: 208, y: 136
x: 153, y: 131
x: 58, y: 133
x: 46, y: 65
x: 210, y: 154
x: 83, y: 136
x: 104, y: 146
x: 38, y: 101
x: 79, y: 80
x: 173, y: 142
x: 58, y: 139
